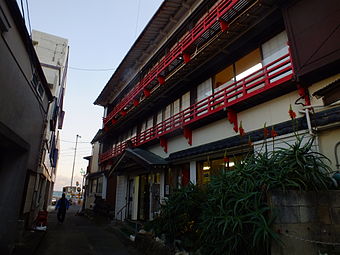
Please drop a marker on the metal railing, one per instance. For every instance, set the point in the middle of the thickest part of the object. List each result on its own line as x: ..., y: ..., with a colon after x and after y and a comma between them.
x: 121, y: 212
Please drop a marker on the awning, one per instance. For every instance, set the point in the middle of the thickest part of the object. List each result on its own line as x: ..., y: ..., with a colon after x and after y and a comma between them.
x: 136, y: 160
x: 96, y: 174
x: 330, y: 93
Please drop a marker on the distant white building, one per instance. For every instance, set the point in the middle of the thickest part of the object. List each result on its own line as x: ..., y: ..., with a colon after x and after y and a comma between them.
x: 53, y: 52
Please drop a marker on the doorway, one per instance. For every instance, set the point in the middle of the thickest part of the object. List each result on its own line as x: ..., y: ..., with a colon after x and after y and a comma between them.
x: 144, y: 198
x: 130, y: 197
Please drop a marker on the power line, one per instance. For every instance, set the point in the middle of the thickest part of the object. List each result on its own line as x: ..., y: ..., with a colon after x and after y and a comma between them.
x: 92, y: 69
x: 74, y: 67
x: 66, y: 141
x: 137, y: 20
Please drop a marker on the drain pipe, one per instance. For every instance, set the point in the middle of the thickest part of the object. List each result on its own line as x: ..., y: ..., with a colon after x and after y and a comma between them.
x: 307, y: 113
x: 337, y: 165
x: 309, y: 124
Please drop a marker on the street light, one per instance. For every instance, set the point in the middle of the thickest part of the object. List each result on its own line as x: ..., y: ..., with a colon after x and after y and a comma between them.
x: 74, y: 159
x: 82, y: 172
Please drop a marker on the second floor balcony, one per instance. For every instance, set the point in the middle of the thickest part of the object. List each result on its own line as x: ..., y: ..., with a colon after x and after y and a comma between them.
x: 261, y: 85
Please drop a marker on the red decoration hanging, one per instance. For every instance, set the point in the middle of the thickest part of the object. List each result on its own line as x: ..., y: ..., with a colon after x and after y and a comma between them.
x: 164, y: 144
x: 146, y: 92
x: 186, y: 57
x: 161, y: 79
x: 187, y: 132
x: 303, y: 92
x: 232, y: 117
x: 224, y: 25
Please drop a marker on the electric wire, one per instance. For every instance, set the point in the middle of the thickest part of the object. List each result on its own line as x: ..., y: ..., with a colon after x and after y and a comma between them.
x: 91, y: 69
x: 68, y: 141
x: 75, y: 67
x: 137, y: 19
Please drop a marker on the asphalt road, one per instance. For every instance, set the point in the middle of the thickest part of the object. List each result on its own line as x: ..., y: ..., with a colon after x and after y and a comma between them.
x: 79, y: 235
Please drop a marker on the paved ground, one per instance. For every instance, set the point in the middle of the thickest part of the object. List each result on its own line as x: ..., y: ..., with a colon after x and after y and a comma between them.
x: 79, y: 235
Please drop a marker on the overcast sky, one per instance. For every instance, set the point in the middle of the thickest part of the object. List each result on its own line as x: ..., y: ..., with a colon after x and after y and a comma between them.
x: 100, y: 33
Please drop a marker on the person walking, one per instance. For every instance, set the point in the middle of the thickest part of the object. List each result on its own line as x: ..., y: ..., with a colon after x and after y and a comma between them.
x: 62, y: 205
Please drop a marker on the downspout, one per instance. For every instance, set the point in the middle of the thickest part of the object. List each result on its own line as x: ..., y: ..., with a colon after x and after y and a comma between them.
x: 337, y: 165
x: 307, y: 113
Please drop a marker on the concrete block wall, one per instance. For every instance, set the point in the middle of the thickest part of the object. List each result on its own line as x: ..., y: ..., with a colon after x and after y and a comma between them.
x: 307, y: 222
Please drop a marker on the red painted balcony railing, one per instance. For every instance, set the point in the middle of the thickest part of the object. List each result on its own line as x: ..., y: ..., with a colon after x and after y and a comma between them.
x: 271, y: 75
x: 211, y: 19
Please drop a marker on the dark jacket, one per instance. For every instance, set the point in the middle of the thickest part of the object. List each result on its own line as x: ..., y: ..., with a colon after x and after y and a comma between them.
x: 62, y: 205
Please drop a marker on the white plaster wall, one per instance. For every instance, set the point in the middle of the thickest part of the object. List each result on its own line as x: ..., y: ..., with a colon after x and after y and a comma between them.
x: 327, y: 141
x: 95, y: 157
x: 284, y: 141
x: 134, y: 215
x: 272, y: 112
x: 52, y: 49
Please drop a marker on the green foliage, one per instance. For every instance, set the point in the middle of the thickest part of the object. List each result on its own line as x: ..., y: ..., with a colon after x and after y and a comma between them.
x: 233, y: 216
x: 179, y: 216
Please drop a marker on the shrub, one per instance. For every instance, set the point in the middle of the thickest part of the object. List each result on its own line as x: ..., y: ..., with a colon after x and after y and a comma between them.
x: 236, y: 218
x: 231, y: 215
x: 179, y: 216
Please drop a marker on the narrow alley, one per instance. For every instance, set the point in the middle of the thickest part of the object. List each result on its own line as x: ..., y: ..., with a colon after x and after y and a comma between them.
x: 79, y: 235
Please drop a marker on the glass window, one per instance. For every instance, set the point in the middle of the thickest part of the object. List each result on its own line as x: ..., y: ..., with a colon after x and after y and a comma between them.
x: 207, y: 169
x: 143, y: 126
x: 100, y: 185
x: 204, y: 90
x: 159, y: 117
x: 94, y: 186
x: 224, y: 78
x: 185, y: 101
x: 149, y: 122
x: 176, y: 107
x: 167, y: 112
x: 248, y: 64
x: 275, y: 48
x: 134, y: 131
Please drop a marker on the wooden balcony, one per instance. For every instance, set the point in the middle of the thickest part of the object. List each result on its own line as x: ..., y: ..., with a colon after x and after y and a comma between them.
x: 275, y: 76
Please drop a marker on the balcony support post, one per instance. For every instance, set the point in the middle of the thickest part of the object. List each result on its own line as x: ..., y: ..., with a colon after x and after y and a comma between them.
x: 303, y: 93
x: 232, y: 117
x: 187, y: 132
x: 164, y: 143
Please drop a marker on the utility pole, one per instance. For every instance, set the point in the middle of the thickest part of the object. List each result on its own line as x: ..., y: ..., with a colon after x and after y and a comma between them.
x: 74, y: 159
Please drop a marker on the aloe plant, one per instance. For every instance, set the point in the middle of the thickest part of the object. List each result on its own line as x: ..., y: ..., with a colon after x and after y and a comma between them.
x: 231, y: 215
